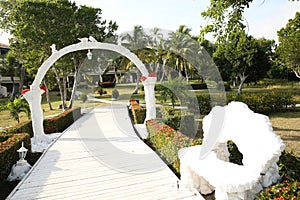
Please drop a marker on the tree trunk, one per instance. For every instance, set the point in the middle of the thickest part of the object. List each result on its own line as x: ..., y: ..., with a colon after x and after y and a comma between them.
x: 186, y: 73
x: 296, y: 71
x: 116, y: 75
x: 47, y: 93
x: 163, y: 72
x: 74, y: 88
x: 12, y: 95
x: 242, y: 79
x: 77, y: 65
x: 65, y: 92
x: 59, y: 87
x: 138, y: 77
x: 22, y: 79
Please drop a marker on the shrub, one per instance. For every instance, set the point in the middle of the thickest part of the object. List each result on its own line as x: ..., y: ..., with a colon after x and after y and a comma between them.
x: 286, y: 190
x: 138, y: 113
x: 265, y: 102
x: 166, y: 142
x: 62, y: 121
x: 51, y: 125
x: 204, y: 104
x: 199, y: 86
x: 9, y: 145
x: 179, y: 120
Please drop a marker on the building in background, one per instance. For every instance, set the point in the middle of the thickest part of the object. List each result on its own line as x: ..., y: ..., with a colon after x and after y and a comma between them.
x: 6, y: 84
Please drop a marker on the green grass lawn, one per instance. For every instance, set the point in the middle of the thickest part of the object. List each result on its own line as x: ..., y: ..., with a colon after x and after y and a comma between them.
x: 286, y: 124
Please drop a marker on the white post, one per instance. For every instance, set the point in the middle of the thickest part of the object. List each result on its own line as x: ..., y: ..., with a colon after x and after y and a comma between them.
x: 34, y: 98
x: 149, y: 84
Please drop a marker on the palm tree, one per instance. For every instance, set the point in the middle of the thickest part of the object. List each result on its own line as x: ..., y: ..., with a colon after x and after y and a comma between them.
x: 138, y: 43
x: 179, y: 45
x: 16, y: 107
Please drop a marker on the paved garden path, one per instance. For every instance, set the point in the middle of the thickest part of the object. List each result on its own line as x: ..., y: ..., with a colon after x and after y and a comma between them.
x: 100, y: 157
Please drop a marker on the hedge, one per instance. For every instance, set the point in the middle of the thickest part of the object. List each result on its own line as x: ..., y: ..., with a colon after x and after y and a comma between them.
x: 179, y: 120
x: 51, y: 125
x: 264, y: 103
x: 62, y: 121
x: 138, y: 113
x: 9, y: 145
x: 166, y: 142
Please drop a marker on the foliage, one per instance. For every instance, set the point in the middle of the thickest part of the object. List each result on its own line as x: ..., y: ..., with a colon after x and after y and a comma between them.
x: 179, y: 120
x: 49, y: 22
x: 289, y: 166
x: 17, y: 106
x: 62, y: 121
x: 265, y: 103
x: 289, y: 47
x: 175, y: 89
x: 282, y: 191
x: 166, y: 142
x: 244, y: 57
x: 51, y: 125
x: 226, y: 17
x: 138, y: 113
x: 8, y: 151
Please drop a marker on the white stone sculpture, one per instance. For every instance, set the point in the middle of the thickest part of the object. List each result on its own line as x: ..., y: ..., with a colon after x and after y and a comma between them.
x: 255, y: 139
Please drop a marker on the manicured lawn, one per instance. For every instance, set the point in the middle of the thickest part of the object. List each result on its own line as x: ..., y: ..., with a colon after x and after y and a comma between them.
x: 287, y: 125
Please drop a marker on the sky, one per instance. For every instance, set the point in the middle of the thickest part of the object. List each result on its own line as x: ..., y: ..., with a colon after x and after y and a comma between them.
x: 264, y: 17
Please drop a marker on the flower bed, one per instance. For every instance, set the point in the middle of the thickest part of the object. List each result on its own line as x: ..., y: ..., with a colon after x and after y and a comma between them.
x: 166, y: 142
x: 8, y: 151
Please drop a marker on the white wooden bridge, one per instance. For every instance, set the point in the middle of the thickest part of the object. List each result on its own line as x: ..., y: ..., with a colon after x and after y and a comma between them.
x: 100, y: 157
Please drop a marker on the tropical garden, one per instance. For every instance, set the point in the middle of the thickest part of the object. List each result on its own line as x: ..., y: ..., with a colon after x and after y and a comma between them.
x: 257, y: 71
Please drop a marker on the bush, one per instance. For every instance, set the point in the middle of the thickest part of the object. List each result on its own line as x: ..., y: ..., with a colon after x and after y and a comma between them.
x: 9, y: 145
x: 204, y: 104
x: 138, y: 113
x: 286, y: 190
x: 166, y: 142
x: 179, y: 120
x: 265, y: 102
x: 199, y: 86
x: 62, y: 121
x: 51, y: 125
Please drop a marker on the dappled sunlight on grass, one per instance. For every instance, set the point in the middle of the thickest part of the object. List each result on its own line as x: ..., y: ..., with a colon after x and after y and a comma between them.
x: 287, y: 126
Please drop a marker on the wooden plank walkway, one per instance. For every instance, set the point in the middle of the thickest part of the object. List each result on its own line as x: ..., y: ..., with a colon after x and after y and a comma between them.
x: 100, y: 157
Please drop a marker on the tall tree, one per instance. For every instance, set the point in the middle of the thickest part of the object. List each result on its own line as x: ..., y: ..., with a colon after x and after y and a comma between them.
x: 137, y: 41
x: 289, y: 46
x: 179, y: 43
x: 58, y: 22
x: 245, y: 57
x: 225, y: 17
